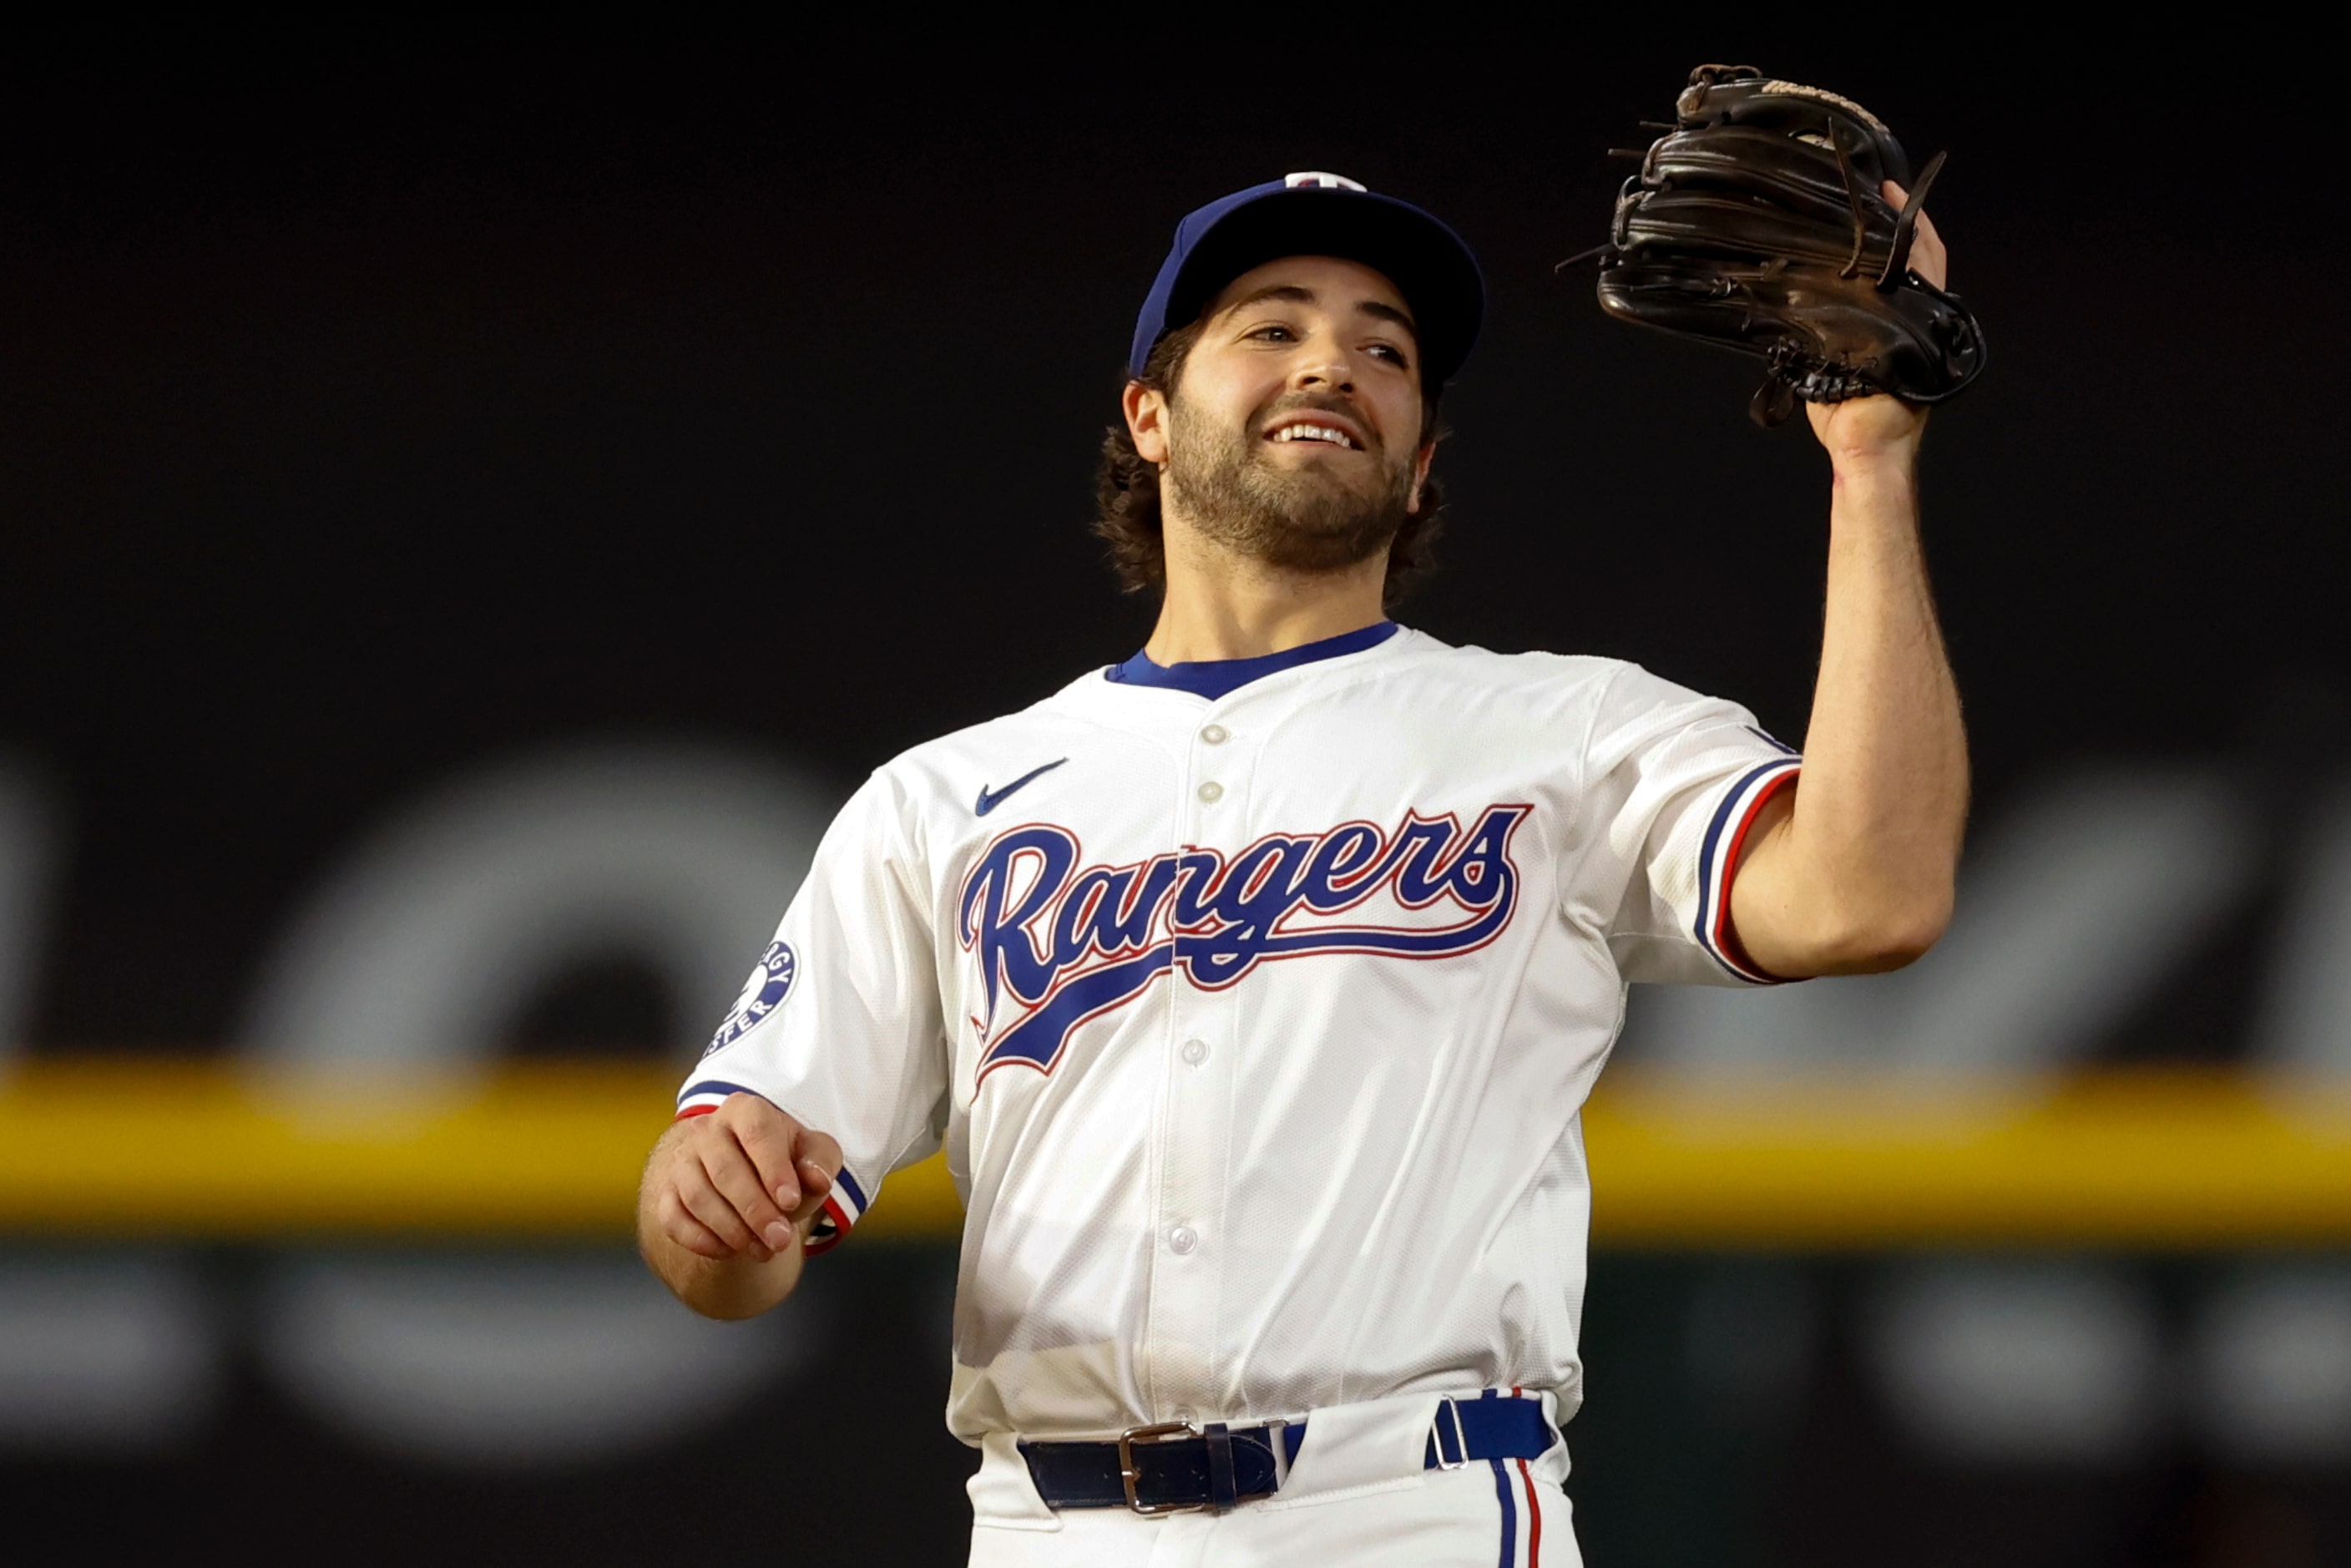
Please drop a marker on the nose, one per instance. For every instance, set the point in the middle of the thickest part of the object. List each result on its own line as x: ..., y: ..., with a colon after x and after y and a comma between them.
x: 1327, y: 373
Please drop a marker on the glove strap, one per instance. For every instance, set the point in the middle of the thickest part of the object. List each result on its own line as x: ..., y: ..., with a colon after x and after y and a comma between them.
x: 1907, y: 226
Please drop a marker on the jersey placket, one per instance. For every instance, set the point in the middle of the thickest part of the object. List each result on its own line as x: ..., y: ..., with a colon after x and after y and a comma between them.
x: 1201, y: 1053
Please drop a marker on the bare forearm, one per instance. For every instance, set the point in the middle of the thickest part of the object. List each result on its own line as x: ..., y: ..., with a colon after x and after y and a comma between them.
x: 1858, y: 875
x: 728, y: 1288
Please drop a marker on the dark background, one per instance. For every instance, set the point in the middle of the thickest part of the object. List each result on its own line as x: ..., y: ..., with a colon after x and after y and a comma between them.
x: 369, y: 413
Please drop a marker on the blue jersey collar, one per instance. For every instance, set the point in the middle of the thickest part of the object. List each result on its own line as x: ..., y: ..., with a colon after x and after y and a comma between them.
x: 1214, y: 678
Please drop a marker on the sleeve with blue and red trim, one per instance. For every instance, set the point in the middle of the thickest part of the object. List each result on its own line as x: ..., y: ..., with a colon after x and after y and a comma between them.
x: 1678, y: 781
x: 839, y: 1024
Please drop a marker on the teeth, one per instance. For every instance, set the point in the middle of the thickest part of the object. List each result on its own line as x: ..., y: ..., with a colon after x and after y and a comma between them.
x: 1312, y: 433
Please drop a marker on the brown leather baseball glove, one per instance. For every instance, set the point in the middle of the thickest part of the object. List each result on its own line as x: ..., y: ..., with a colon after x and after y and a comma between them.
x: 1758, y: 223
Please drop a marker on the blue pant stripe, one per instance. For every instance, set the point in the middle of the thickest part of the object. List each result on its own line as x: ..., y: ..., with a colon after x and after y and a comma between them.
x: 1510, y: 1513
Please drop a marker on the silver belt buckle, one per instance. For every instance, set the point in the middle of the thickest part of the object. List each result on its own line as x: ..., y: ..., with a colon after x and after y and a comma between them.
x: 1129, y: 1472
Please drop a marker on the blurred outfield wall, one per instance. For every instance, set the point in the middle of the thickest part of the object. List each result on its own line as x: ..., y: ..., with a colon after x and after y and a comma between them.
x: 442, y: 1233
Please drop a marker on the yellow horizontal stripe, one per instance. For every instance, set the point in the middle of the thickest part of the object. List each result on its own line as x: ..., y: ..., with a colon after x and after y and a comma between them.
x: 103, y: 1146
x: 178, y: 1147
x: 2156, y: 1159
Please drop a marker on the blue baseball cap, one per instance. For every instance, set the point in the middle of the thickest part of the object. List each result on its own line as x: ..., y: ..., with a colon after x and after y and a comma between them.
x: 1322, y: 215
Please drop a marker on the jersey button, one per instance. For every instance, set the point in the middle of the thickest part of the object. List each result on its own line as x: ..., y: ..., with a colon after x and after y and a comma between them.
x: 1182, y: 1239
x: 1212, y: 791
x: 1215, y: 735
x: 1195, y: 1052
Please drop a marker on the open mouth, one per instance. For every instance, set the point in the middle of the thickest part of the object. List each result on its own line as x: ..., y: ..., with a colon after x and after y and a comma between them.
x: 1315, y: 434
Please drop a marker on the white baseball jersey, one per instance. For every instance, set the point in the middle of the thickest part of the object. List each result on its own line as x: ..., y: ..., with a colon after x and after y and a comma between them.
x: 1256, y: 1025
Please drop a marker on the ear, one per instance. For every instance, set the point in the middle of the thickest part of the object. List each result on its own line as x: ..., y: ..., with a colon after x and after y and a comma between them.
x: 1147, y: 422
x: 1419, y: 477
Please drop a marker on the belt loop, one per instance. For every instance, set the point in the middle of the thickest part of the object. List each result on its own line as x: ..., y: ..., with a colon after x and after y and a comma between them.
x: 1436, y: 1425
x: 1223, y: 1491
x: 1278, y: 1431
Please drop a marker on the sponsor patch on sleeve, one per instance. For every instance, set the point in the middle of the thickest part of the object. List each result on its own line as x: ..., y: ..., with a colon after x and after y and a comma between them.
x: 763, y: 993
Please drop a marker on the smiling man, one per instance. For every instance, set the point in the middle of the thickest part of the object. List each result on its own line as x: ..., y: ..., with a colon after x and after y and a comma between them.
x: 1254, y: 985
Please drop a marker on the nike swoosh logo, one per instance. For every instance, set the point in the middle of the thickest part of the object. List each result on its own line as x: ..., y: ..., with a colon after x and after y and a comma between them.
x: 988, y: 801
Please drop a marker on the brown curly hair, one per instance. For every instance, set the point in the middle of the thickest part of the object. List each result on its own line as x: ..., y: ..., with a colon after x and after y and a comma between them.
x: 1127, y: 492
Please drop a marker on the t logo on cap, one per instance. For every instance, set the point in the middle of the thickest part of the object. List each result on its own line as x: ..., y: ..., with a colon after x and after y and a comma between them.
x: 1321, y: 182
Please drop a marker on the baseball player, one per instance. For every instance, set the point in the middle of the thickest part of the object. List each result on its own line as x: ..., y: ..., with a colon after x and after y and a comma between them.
x: 1253, y: 985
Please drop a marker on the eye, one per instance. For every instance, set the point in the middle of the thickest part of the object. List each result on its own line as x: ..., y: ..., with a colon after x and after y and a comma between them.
x: 1272, y: 333
x: 1392, y: 354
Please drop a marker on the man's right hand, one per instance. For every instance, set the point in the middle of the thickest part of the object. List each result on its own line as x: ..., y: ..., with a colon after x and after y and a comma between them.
x: 727, y: 1204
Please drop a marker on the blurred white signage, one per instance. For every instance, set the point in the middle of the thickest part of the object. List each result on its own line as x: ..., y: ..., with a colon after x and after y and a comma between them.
x: 420, y: 951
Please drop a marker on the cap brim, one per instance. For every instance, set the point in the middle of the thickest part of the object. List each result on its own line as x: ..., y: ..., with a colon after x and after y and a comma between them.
x: 1426, y: 261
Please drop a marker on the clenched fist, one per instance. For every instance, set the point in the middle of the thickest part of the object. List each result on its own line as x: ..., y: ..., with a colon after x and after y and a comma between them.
x: 727, y: 1204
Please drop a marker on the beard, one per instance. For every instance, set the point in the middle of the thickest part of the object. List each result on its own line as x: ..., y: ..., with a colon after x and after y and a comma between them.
x: 1305, y: 519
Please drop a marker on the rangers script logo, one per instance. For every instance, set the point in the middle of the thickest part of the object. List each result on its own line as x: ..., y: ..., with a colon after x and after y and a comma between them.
x: 1058, y: 946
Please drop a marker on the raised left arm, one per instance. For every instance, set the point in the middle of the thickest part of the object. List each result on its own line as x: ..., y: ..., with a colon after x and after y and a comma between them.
x: 1854, y: 873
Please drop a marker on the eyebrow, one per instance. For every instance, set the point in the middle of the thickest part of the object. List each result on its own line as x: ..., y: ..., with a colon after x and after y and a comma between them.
x: 1297, y: 294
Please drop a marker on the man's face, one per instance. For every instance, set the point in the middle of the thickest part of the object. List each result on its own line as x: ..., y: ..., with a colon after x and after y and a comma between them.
x: 1293, y: 435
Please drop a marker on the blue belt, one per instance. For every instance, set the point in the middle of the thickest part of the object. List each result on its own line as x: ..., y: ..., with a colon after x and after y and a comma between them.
x: 1177, y: 1468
